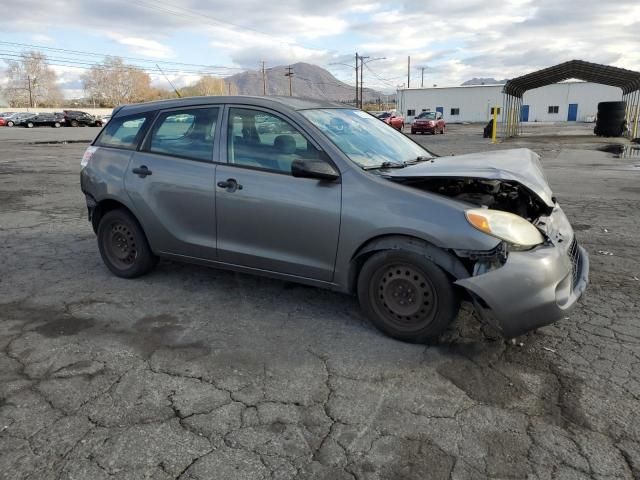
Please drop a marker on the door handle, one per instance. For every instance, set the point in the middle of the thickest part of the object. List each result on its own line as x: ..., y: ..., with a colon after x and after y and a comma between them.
x: 142, y: 171
x: 231, y: 184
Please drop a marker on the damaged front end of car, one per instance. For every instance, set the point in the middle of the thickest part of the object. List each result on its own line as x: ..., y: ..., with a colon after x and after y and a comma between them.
x: 537, y: 271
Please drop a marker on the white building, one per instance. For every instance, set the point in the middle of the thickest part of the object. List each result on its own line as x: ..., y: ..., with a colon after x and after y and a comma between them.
x: 559, y: 102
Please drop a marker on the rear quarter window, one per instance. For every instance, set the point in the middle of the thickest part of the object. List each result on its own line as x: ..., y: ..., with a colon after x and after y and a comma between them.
x: 124, y: 132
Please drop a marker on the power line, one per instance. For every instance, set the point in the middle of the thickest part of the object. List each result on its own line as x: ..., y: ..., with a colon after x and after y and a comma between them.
x: 385, y: 81
x: 96, y: 54
x: 73, y: 63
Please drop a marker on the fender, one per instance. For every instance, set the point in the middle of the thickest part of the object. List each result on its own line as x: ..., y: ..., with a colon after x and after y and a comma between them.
x: 444, y: 259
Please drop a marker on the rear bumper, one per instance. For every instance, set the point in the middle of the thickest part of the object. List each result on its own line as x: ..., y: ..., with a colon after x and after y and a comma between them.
x: 531, y: 289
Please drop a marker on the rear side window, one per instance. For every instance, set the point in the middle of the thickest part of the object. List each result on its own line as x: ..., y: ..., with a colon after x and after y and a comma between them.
x: 123, y: 132
x: 185, y: 133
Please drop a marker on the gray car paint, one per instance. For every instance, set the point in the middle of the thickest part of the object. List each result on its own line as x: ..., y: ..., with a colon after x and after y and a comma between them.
x: 301, y: 242
x: 521, y: 165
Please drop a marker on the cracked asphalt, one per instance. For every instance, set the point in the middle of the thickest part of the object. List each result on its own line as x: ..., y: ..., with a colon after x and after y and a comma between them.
x: 195, y: 373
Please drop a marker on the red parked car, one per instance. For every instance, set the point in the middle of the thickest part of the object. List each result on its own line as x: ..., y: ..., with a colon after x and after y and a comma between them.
x: 393, y: 119
x: 3, y: 122
x: 431, y: 122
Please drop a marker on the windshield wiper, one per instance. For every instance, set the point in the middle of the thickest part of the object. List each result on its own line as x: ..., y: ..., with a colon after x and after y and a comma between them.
x: 419, y: 159
x: 387, y: 165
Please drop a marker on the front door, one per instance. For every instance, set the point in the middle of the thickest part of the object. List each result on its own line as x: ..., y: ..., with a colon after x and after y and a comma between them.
x: 572, y: 114
x: 524, y: 113
x: 171, y: 182
x: 266, y: 218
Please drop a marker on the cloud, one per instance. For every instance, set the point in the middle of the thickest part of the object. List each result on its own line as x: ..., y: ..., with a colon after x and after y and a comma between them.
x: 144, y: 46
x: 456, y: 40
x: 41, y: 38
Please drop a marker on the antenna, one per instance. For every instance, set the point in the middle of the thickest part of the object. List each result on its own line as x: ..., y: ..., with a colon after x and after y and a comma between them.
x: 167, y: 79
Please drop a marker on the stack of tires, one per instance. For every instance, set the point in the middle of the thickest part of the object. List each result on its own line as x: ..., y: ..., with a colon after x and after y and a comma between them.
x: 611, y: 121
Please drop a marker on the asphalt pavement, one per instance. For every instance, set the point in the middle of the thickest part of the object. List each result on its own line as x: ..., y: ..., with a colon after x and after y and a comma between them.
x: 196, y: 373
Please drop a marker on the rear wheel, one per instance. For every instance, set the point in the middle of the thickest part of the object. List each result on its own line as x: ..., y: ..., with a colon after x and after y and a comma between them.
x: 406, y: 296
x: 74, y: 123
x: 29, y: 125
x: 10, y: 124
x: 56, y: 125
x: 123, y: 245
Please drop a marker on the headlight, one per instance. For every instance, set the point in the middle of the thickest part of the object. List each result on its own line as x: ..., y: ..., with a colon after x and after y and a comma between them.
x: 505, y: 226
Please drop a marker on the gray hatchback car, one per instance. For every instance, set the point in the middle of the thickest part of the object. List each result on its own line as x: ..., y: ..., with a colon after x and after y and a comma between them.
x: 327, y: 195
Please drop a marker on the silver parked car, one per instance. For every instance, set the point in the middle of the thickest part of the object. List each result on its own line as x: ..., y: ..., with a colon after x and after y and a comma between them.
x: 329, y: 196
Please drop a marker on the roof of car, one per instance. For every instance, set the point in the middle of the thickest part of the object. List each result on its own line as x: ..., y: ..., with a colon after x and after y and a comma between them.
x: 294, y: 103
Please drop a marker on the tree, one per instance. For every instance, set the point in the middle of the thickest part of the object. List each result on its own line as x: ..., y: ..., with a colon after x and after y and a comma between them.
x: 113, y: 83
x: 209, y: 86
x: 31, y: 82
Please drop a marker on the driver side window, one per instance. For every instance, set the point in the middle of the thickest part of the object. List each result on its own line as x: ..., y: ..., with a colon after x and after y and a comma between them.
x: 261, y: 140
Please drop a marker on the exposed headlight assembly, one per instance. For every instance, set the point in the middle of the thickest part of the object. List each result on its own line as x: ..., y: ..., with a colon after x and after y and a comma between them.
x: 514, y: 230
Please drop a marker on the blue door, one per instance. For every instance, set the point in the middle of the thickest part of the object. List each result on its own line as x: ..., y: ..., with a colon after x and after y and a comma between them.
x: 572, y: 116
x: 440, y: 109
x: 524, y: 113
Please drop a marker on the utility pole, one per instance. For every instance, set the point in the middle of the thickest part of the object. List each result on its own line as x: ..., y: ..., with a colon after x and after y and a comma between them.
x: 30, y: 95
x: 264, y: 80
x: 422, y: 81
x: 408, y: 71
x: 357, y: 94
x: 362, y: 80
x: 290, y: 74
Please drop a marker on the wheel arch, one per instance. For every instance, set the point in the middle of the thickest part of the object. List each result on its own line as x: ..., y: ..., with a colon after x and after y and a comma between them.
x: 446, y: 260
x: 107, y: 205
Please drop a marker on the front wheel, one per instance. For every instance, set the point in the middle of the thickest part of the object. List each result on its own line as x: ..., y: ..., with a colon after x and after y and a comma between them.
x: 29, y: 125
x: 74, y: 123
x: 10, y: 124
x: 123, y: 245
x: 56, y: 125
x: 406, y: 296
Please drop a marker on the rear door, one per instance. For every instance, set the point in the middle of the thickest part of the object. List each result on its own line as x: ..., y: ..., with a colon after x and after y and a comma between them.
x: 266, y: 218
x: 171, y: 182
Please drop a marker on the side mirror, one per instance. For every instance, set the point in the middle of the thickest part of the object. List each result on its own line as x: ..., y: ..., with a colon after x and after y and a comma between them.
x: 313, y: 169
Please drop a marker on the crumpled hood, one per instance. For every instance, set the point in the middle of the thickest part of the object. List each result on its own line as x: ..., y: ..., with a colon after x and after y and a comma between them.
x: 521, y: 165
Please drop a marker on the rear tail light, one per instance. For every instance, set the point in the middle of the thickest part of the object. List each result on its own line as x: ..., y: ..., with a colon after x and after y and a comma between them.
x: 88, y: 153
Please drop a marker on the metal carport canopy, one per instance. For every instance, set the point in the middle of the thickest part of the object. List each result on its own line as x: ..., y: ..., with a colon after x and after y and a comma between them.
x: 627, y: 80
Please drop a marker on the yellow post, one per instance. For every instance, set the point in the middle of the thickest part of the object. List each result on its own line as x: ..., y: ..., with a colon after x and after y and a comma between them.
x: 495, y: 125
x: 635, y: 128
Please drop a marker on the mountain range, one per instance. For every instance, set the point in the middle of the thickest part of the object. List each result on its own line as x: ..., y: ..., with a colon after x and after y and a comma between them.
x: 307, y: 81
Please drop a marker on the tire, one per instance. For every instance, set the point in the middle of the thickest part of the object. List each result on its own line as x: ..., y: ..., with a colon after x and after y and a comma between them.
x: 56, y: 125
x: 29, y: 125
x: 606, y: 107
x: 406, y: 296
x: 74, y: 123
x: 10, y: 124
x: 123, y: 245
x: 442, y: 131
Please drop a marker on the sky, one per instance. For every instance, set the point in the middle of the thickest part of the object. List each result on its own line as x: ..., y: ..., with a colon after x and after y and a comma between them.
x: 453, y: 40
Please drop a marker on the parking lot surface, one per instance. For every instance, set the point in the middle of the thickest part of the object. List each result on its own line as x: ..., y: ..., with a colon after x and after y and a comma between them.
x: 195, y: 373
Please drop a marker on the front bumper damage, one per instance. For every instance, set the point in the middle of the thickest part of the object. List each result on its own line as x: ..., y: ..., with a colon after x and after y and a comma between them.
x: 536, y: 287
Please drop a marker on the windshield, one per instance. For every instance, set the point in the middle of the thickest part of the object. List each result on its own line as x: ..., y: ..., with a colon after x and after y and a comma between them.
x: 364, y: 139
x: 427, y: 115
